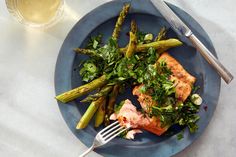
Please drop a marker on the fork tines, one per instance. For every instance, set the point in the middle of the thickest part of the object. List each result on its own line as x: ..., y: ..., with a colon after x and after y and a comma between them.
x: 112, y: 131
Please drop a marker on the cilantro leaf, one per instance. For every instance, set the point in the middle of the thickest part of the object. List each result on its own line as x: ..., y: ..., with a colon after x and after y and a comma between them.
x: 89, y: 71
x: 180, y: 136
x: 94, y: 42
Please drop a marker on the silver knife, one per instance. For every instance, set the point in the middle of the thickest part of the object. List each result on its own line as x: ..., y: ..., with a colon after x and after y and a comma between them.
x: 179, y: 27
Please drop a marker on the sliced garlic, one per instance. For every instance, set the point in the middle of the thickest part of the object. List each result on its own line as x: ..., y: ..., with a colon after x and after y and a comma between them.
x: 196, y: 99
x: 148, y: 37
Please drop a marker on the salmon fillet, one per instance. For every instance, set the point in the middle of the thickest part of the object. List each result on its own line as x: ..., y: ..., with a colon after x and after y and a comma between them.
x: 129, y: 116
x: 183, y: 85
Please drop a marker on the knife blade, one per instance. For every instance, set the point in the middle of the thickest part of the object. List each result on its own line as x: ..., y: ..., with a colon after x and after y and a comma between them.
x: 182, y: 29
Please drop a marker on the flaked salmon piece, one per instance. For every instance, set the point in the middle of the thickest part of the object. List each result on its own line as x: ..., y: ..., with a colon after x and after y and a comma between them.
x: 129, y: 116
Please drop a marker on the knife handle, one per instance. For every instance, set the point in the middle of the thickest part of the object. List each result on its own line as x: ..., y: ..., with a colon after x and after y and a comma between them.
x: 212, y: 60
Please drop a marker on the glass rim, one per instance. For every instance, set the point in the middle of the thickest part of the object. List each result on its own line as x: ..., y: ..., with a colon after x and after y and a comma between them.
x: 12, y: 9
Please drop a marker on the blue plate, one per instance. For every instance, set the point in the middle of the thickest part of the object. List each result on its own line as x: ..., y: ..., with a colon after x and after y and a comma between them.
x: 102, y: 20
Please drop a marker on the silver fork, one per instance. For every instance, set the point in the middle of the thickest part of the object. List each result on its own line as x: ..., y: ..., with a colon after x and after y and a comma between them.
x: 105, y: 135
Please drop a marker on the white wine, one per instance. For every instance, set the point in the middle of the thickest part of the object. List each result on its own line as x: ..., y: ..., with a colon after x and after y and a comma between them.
x: 38, y: 11
x: 35, y: 12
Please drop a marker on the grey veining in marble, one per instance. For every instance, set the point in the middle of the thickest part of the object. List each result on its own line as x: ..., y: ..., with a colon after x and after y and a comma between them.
x: 30, y: 121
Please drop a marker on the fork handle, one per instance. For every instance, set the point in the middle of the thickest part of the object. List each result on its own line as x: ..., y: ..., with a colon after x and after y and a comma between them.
x: 87, y: 151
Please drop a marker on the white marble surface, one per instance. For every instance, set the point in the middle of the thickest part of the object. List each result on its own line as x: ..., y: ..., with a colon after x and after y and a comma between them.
x: 30, y: 122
